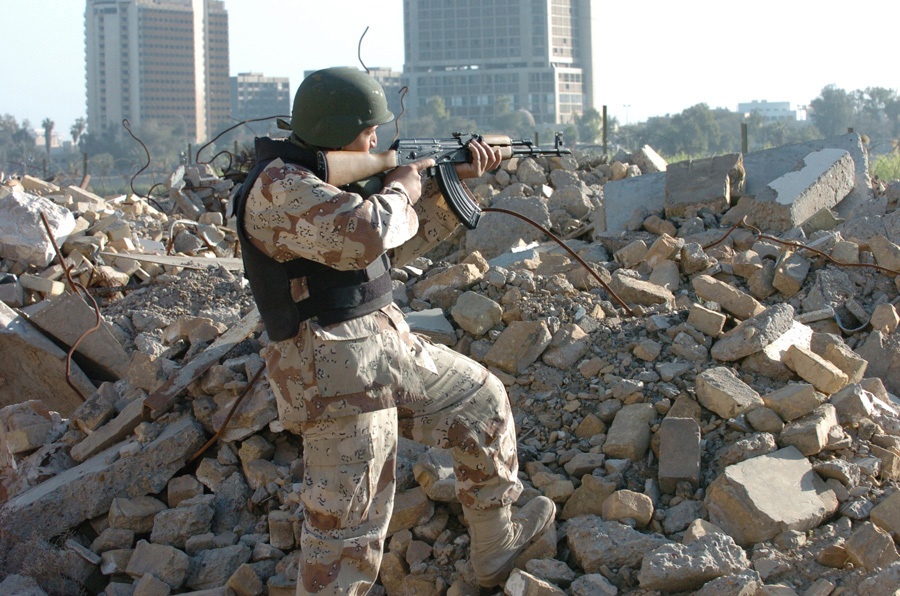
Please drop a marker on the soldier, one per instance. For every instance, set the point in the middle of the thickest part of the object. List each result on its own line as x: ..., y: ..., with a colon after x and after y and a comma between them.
x: 347, y: 373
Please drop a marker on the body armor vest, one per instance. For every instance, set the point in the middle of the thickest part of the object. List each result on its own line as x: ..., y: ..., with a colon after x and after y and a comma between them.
x: 334, y: 295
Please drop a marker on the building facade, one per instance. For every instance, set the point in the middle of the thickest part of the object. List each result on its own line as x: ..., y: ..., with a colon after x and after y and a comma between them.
x: 157, y: 61
x: 254, y: 95
x: 769, y: 110
x: 536, y: 55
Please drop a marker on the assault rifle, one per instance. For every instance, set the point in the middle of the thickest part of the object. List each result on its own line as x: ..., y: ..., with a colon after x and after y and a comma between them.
x: 344, y: 167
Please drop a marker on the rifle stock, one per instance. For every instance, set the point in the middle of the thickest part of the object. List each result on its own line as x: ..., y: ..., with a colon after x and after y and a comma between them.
x: 344, y: 167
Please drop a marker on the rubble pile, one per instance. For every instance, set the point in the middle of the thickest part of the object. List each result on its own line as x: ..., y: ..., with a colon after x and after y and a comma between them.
x: 716, y: 412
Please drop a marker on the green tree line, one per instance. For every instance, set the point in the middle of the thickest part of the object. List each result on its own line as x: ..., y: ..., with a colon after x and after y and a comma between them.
x: 113, y: 156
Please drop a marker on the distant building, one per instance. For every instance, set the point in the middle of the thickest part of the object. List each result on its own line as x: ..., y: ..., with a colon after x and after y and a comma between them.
x: 769, y: 110
x: 162, y: 61
x: 539, y: 55
x: 256, y: 96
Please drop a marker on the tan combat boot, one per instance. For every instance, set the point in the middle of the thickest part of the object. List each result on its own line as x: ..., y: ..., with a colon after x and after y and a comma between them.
x: 499, y: 537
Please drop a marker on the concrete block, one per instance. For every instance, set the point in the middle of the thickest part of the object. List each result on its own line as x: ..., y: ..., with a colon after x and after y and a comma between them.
x: 870, y: 547
x: 622, y: 198
x: 703, y: 183
x: 824, y: 376
x: 627, y: 504
x: 820, y: 181
x: 754, y: 334
x: 740, y: 304
x: 810, y: 433
x: 629, y: 434
x: 87, y: 490
x: 719, y: 389
x: 790, y: 273
x: 886, y: 515
x: 631, y: 255
x: 793, y: 401
x: 636, y: 291
x: 887, y: 254
x: 476, y: 313
x: 679, y: 453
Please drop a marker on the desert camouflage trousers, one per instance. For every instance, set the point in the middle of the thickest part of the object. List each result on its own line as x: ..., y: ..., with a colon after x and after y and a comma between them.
x: 349, y: 469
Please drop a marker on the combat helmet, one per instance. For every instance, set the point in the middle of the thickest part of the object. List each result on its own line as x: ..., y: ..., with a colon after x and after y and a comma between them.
x: 332, y: 106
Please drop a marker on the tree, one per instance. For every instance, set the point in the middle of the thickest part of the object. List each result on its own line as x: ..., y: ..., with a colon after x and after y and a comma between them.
x: 77, y: 130
x: 48, y: 125
x: 590, y: 126
x: 833, y: 111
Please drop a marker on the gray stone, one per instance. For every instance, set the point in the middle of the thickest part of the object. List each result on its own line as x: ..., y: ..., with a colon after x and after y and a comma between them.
x: 163, y: 562
x: 754, y: 334
x: 679, y: 453
x: 212, y: 568
x: 476, y: 313
x: 764, y: 166
x: 629, y: 435
x: 433, y: 324
x: 679, y: 567
x: 757, y: 499
x: 497, y: 233
x: 567, y: 347
x: 67, y: 318
x: 519, y: 346
x: 175, y: 526
x: 596, y: 544
x: 720, y: 390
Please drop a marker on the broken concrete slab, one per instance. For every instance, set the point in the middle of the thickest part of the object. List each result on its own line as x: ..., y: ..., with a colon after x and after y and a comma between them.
x: 703, y: 183
x: 623, y: 198
x: 66, y: 319
x: 87, y: 490
x: 596, y: 544
x: 757, y: 499
x: 821, y: 180
x: 679, y: 567
x: 33, y: 367
x: 764, y: 166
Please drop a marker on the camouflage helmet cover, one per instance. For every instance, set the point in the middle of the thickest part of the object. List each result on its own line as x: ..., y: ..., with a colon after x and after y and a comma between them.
x: 332, y: 106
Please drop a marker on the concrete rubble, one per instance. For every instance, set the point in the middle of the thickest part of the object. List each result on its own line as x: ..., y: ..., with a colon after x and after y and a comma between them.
x: 716, y: 412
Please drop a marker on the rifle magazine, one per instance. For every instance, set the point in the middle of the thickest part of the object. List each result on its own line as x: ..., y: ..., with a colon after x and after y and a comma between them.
x: 457, y: 195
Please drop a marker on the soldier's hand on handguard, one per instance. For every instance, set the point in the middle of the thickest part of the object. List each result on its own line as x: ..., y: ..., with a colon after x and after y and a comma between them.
x: 409, y: 176
x: 484, y: 158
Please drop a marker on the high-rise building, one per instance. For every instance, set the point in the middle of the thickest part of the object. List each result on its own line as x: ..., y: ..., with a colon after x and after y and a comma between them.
x: 163, y: 61
x: 536, y: 55
x: 254, y: 95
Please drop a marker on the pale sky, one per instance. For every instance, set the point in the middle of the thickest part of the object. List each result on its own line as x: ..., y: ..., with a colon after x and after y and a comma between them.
x: 659, y: 56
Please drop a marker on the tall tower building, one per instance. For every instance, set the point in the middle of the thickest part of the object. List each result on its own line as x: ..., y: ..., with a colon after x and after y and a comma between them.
x: 537, y: 55
x: 163, y: 61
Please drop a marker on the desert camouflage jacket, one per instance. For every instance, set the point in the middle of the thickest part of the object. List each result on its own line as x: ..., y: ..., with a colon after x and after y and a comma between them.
x: 363, y: 364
